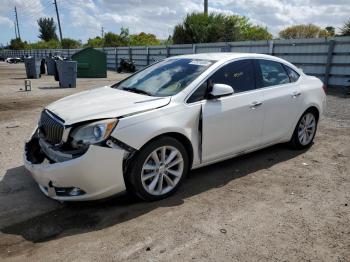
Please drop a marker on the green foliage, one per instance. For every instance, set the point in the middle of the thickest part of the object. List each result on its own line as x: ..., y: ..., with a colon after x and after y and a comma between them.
x: 47, y: 29
x: 123, y: 39
x: 143, y: 39
x: 345, y: 30
x: 17, y: 44
x: 124, y: 34
x: 330, y: 30
x: 203, y: 28
x: 94, y: 42
x: 52, y: 44
x: 70, y: 43
x: 111, y: 39
x: 303, y: 31
x: 256, y: 32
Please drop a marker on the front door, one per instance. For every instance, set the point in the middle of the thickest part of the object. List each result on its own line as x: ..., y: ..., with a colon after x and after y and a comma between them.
x: 232, y: 124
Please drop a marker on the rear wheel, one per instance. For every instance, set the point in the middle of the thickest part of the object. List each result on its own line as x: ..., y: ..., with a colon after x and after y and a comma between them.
x: 305, y: 130
x: 159, y: 169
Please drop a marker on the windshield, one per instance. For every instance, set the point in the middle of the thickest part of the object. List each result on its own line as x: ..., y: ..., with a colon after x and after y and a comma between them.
x: 165, y: 78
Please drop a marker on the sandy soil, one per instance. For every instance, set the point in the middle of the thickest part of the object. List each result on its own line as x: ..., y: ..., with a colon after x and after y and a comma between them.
x: 275, y: 204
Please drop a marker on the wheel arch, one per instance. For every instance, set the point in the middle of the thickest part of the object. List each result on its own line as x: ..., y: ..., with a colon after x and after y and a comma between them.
x: 183, y: 139
x: 313, y: 109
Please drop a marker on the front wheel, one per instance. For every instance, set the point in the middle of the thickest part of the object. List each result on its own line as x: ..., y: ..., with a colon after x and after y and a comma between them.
x: 305, y: 130
x: 158, y: 169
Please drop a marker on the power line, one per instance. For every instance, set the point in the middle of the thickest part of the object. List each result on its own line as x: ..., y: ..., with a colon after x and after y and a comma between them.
x: 19, y: 35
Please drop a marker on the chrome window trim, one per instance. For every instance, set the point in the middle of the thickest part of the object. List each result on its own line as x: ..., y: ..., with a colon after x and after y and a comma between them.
x: 257, y: 88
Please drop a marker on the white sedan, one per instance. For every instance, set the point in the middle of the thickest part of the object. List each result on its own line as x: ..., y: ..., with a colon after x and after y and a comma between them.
x: 146, y: 132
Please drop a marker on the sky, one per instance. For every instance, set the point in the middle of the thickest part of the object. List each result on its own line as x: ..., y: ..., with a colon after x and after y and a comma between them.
x: 83, y: 19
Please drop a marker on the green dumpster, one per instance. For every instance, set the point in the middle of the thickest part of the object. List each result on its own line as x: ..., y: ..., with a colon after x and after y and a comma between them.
x: 91, y: 63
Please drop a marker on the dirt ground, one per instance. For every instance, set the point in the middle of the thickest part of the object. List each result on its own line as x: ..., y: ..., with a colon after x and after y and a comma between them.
x: 276, y: 204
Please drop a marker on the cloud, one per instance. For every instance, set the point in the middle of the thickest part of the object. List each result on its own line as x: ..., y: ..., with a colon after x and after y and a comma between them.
x: 83, y: 19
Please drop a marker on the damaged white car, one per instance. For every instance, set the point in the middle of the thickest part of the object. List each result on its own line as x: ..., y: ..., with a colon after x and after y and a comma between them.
x: 146, y: 132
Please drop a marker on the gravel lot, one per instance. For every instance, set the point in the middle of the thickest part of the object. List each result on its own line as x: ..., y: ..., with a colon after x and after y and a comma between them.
x: 275, y: 204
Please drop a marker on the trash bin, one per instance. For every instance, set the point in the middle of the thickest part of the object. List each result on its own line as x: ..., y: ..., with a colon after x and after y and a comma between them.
x: 32, y: 66
x: 67, y: 73
x: 42, y: 67
x: 50, y: 64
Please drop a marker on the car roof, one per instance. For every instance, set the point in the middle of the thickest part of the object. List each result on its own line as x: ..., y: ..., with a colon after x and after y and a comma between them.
x: 223, y: 57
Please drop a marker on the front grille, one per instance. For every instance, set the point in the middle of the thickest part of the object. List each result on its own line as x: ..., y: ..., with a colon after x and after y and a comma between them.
x: 50, y: 128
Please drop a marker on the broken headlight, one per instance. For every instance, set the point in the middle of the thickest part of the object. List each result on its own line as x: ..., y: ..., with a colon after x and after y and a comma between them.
x: 93, y: 133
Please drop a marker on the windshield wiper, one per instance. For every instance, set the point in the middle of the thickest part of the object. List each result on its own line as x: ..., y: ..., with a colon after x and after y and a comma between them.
x: 135, y: 90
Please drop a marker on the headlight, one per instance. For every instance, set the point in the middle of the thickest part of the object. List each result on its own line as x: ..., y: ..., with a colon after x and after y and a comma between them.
x: 93, y: 133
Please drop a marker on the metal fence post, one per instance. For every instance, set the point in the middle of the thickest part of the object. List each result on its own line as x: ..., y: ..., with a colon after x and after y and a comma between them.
x: 147, y: 55
x: 271, y: 47
x: 194, y: 48
x: 167, y: 51
x: 116, y: 58
x: 130, y: 53
x: 331, y: 45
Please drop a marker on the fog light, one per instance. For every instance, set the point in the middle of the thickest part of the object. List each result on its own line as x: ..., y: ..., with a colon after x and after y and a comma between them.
x: 76, y: 191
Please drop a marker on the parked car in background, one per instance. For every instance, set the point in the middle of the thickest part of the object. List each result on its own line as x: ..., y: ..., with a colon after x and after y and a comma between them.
x: 146, y: 132
x: 13, y: 60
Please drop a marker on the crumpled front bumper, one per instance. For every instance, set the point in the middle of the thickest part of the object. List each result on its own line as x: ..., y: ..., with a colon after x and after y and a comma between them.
x: 98, y: 172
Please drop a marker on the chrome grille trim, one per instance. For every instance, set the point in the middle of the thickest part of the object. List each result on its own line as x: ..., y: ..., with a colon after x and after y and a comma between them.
x: 51, y: 127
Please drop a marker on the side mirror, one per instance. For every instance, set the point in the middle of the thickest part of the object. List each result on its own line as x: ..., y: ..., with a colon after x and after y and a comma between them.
x: 220, y: 90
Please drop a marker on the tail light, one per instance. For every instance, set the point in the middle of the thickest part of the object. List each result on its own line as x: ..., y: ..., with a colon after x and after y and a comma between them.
x: 324, y: 88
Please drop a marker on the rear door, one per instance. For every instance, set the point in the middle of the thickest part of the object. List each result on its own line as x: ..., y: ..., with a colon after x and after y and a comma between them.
x: 281, y: 99
x: 232, y: 124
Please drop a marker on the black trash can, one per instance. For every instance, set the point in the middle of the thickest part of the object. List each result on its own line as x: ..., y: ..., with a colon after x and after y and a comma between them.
x: 32, y: 66
x: 42, y: 67
x: 67, y: 73
x: 50, y: 64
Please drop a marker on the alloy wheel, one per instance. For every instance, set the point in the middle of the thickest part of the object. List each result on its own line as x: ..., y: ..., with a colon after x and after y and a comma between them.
x: 306, y: 129
x: 162, y: 170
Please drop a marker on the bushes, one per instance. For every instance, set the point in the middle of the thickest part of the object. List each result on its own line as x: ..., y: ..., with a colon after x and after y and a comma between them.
x: 203, y: 28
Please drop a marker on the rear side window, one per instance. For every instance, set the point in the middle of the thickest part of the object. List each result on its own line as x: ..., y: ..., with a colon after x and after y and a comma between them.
x: 293, y: 76
x: 239, y: 75
x: 272, y: 73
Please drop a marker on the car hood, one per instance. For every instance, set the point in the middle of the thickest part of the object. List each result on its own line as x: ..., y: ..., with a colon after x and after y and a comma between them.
x: 104, y: 102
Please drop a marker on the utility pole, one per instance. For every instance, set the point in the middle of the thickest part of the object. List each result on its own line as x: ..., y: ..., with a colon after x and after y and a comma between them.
x: 58, y: 20
x: 102, y: 31
x: 14, y: 23
x: 19, y: 35
x: 206, y: 7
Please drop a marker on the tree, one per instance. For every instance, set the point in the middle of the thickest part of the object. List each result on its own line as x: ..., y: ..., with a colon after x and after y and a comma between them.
x: 143, y: 39
x: 203, y: 28
x: 95, y: 42
x: 70, y: 43
x: 303, y: 31
x: 47, y: 29
x: 111, y: 39
x: 330, y: 30
x: 124, y: 34
x: 52, y: 44
x: 345, y: 30
x: 256, y: 32
x: 17, y: 44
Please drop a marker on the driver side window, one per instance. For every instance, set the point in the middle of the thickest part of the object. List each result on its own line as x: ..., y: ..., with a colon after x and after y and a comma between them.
x: 239, y: 75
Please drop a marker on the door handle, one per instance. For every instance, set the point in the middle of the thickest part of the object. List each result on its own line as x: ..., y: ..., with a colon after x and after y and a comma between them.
x: 296, y: 94
x: 255, y: 104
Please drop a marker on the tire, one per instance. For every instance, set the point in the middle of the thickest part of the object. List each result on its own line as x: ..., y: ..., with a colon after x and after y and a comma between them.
x: 151, y: 181
x: 304, y: 135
